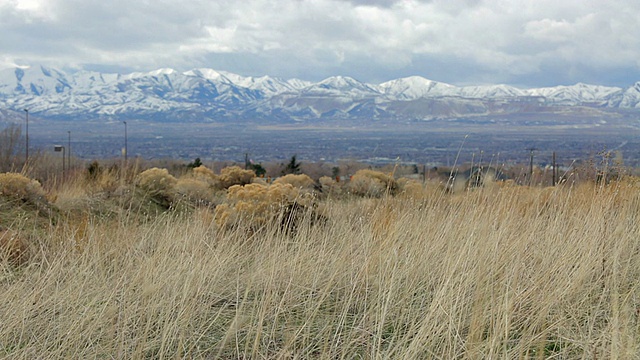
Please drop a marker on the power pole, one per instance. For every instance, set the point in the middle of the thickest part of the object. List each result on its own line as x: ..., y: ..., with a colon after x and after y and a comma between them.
x: 554, y: 169
x: 125, y: 143
x: 60, y: 148
x: 26, y: 157
x: 531, y: 150
x: 69, y: 151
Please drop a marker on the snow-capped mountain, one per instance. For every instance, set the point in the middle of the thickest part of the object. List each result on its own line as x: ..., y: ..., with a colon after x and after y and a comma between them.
x: 576, y: 94
x: 630, y: 98
x: 210, y: 95
x: 415, y: 87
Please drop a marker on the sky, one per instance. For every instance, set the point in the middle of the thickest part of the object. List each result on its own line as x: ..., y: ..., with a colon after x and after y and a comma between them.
x: 524, y: 43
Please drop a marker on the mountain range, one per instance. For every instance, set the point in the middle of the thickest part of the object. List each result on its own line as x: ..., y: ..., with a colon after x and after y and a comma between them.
x: 216, y: 96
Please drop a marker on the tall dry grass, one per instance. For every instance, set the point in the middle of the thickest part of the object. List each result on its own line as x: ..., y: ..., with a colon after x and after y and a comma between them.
x: 508, y: 273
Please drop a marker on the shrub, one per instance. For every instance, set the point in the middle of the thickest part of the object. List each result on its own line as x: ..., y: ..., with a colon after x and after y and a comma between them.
x: 205, y: 174
x: 411, y: 188
x: 260, y: 181
x: 329, y: 186
x: 158, y: 184
x: 94, y: 170
x: 16, y: 187
x: 100, y: 179
x: 195, y: 191
x: 370, y: 183
x: 234, y: 175
x: 256, y: 205
x: 302, y: 181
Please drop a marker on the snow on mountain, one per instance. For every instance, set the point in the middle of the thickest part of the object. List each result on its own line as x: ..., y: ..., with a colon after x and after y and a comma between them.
x: 154, y: 73
x: 575, y: 94
x: 341, y: 86
x: 92, y: 79
x: 299, y: 84
x: 265, y: 84
x: 490, y: 91
x: 207, y: 94
x: 208, y: 74
x: 630, y: 98
x: 36, y: 81
x: 415, y: 87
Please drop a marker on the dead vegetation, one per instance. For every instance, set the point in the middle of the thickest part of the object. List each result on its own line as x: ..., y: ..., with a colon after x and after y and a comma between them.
x: 153, y: 265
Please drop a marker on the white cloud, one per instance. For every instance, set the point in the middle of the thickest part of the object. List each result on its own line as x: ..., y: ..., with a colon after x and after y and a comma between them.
x: 492, y: 40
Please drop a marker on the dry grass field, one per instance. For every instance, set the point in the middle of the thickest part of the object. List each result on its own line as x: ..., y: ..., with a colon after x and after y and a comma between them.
x: 116, y: 268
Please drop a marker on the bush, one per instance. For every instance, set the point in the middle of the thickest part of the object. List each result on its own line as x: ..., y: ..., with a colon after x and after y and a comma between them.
x: 370, y: 183
x: 16, y: 187
x: 99, y: 179
x: 94, y: 170
x: 234, y: 175
x: 302, y: 181
x: 158, y: 184
x: 257, y: 205
x: 205, y: 174
x: 329, y: 186
x: 194, y: 191
x: 410, y: 188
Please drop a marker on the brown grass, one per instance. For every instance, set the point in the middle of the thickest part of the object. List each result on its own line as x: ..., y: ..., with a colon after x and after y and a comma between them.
x: 502, y: 272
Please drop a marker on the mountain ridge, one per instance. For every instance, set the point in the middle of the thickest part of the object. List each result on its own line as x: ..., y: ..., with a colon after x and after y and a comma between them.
x: 211, y: 95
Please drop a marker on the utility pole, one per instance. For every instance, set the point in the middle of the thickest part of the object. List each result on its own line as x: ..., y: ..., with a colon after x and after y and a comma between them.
x: 125, y: 143
x: 58, y: 148
x: 26, y: 157
x: 69, y: 151
x: 554, y: 169
x: 531, y: 150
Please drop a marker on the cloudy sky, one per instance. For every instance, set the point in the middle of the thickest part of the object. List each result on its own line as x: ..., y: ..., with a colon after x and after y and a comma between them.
x: 525, y: 43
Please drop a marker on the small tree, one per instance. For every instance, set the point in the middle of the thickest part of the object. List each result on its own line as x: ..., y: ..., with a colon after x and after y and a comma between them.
x: 94, y: 170
x: 335, y: 172
x: 258, y: 169
x: 196, y: 163
x: 293, y: 167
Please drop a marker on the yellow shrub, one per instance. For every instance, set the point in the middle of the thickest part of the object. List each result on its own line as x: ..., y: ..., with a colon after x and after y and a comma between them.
x: 234, y: 175
x: 256, y: 205
x: 301, y: 181
x: 156, y: 180
x: 205, y: 174
x: 411, y: 189
x: 330, y: 186
x: 15, y: 186
x: 260, y: 181
x: 372, y: 183
x: 194, y: 190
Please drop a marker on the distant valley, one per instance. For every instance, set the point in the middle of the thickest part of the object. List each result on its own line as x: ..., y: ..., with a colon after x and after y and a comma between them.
x: 218, y: 115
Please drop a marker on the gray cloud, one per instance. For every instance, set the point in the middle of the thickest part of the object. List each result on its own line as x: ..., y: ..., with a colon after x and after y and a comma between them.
x: 458, y: 41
